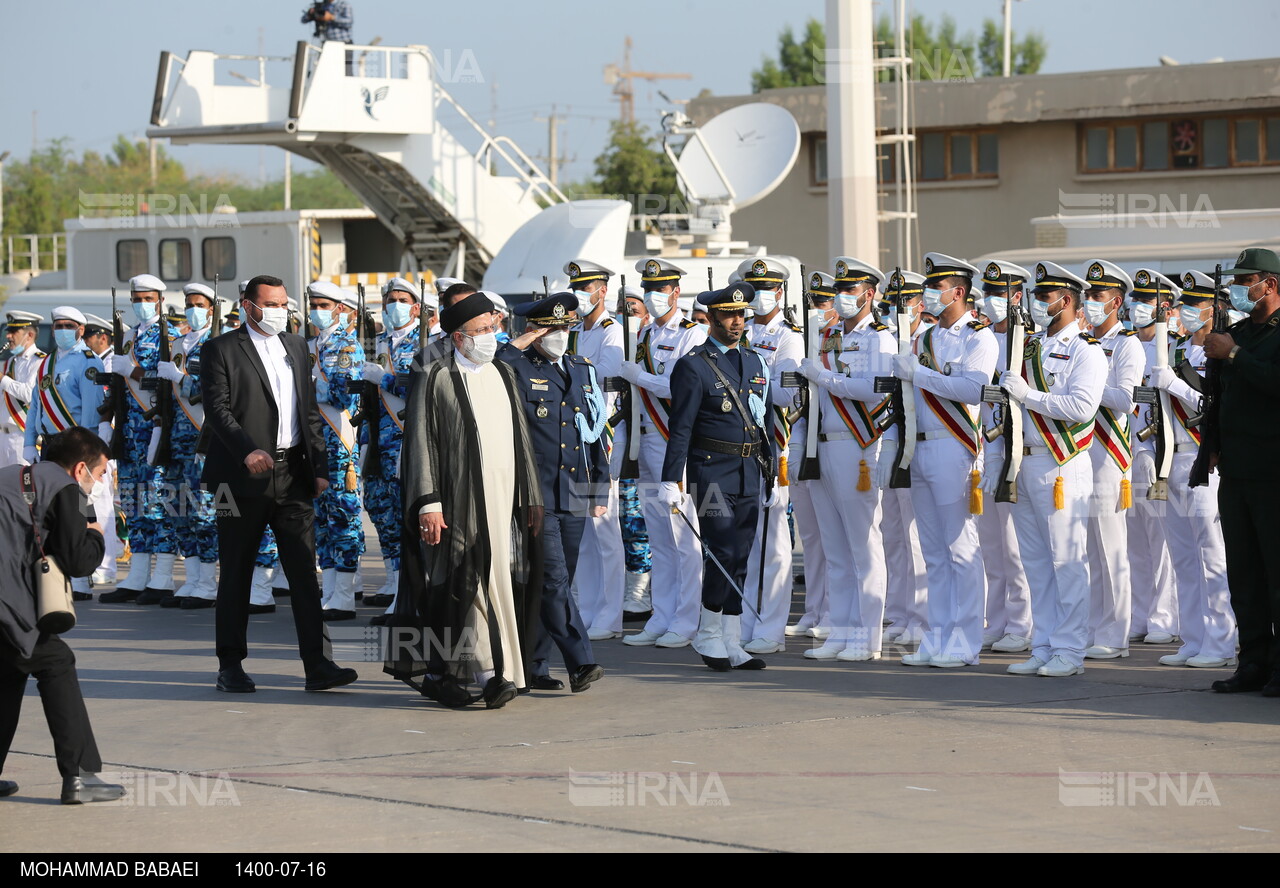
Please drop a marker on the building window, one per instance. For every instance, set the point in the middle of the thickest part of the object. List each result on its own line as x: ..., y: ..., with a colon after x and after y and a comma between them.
x: 1183, y: 143
x: 966, y: 154
x: 219, y: 255
x: 175, y: 259
x: 131, y: 259
x: 818, y: 161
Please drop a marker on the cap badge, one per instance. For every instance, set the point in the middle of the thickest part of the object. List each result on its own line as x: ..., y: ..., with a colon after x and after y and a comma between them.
x: 815, y: 281
x: 574, y: 270
x: 1142, y: 278
x: 993, y: 271
x: 928, y: 266
x: 558, y: 311
x: 1095, y: 271
x: 1040, y: 271
x: 652, y: 267
x: 759, y: 268
x: 841, y: 268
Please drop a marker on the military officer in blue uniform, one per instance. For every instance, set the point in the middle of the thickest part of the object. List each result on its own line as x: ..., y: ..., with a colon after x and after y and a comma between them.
x: 721, y: 404
x: 565, y: 405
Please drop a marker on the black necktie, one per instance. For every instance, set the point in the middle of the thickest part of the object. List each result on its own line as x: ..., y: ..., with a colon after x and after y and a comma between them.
x: 735, y: 361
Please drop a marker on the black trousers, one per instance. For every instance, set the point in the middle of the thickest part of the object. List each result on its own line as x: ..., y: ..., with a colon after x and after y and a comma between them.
x: 727, y: 523
x: 288, y: 508
x: 561, y: 625
x: 1251, y: 532
x: 54, y: 666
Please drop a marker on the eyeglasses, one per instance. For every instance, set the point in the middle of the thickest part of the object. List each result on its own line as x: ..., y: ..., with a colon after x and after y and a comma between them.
x: 482, y: 331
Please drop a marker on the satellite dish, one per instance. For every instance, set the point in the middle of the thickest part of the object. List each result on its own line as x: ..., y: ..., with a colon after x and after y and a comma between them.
x: 755, y: 146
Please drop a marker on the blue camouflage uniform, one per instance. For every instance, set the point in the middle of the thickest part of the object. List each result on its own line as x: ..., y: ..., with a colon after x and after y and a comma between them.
x: 382, y: 491
x: 635, y: 536
x: 68, y: 383
x: 143, y: 499
x: 196, y: 522
x: 336, y: 360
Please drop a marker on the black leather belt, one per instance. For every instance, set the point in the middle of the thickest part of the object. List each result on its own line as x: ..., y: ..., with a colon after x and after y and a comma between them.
x: 745, y: 450
x: 283, y: 453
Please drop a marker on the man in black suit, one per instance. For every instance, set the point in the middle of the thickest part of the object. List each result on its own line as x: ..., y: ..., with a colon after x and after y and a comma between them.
x: 265, y: 465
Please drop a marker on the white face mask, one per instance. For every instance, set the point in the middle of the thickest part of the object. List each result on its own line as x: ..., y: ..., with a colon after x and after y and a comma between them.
x: 1141, y: 314
x: 274, y: 320
x: 657, y: 303
x: 555, y: 344
x: 481, y: 349
x: 933, y: 300
x: 97, y: 488
x: 1096, y: 312
x: 1040, y: 312
x: 847, y: 305
x: 996, y: 308
x: 585, y: 303
x: 1190, y: 317
x: 765, y: 301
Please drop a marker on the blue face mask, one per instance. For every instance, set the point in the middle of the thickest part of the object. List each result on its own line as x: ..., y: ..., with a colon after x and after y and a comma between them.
x: 197, y: 318
x: 1240, y: 300
x: 322, y: 317
x: 397, y: 314
x: 65, y: 338
x: 144, y: 311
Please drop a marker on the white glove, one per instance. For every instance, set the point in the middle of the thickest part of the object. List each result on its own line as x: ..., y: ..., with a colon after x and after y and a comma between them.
x: 372, y: 372
x: 153, y: 445
x: 811, y: 369
x: 169, y: 370
x: 1162, y: 377
x: 772, y: 497
x: 105, y: 432
x: 5, y: 383
x: 884, y: 464
x: 671, y: 496
x: 1144, y: 469
x: 904, y: 367
x: 29, y: 454
x: 991, y: 475
x: 1014, y: 386
x: 121, y: 364
x: 630, y: 372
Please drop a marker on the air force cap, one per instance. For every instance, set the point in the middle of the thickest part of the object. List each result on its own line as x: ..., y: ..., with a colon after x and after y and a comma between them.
x: 330, y: 290
x: 67, y: 313
x: 735, y: 297
x: 403, y: 285
x: 557, y: 310
x: 198, y: 290
x: 146, y: 283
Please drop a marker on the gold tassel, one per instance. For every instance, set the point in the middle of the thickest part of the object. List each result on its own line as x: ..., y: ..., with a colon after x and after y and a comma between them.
x: 351, y: 477
x: 1126, y: 494
x: 864, y: 476
x: 783, y: 480
x: 1059, y: 495
x: 975, y: 492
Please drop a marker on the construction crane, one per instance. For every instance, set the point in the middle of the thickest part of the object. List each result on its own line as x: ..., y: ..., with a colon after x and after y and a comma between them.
x: 620, y: 78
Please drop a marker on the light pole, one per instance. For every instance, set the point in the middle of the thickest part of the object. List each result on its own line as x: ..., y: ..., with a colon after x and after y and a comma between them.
x: 4, y: 155
x: 1008, y: 37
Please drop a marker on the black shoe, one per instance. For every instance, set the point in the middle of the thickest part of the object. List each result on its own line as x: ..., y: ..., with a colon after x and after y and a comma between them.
x: 330, y: 615
x: 7, y: 788
x: 751, y: 665
x: 329, y: 675
x: 378, y: 600
x: 191, y: 602
x: 447, y: 692
x: 717, y: 664
x: 280, y: 593
x: 80, y: 790
x: 636, y: 616
x: 1272, y: 687
x: 545, y: 683
x: 118, y: 595
x: 233, y: 680
x: 152, y: 596
x: 380, y: 620
x: 1244, y: 681
x: 498, y: 692
x: 582, y: 677
x: 81, y: 596
x: 172, y: 601
x: 262, y: 608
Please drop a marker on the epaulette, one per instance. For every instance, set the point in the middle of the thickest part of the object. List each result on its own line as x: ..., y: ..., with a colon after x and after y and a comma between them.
x: 793, y: 327
x: 88, y: 353
x: 976, y: 325
x: 607, y: 322
x: 1124, y: 332
x: 1182, y: 339
x: 40, y: 354
x: 578, y: 359
x: 1089, y: 339
x: 877, y: 326
x: 687, y: 324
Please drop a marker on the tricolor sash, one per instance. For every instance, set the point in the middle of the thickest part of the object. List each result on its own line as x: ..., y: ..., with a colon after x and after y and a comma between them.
x: 960, y: 420
x: 194, y: 412
x: 1112, y: 430
x: 862, y: 423
x: 16, y: 409
x: 51, y: 404
x: 338, y: 420
x: 1063, y: 440
x: 659, y: 409
x: 1180, y: 355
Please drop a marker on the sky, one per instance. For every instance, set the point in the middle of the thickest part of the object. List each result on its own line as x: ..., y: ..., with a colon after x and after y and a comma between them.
x: 90, y: 76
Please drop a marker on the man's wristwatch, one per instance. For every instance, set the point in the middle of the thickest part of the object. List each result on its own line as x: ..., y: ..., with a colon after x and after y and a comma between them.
x: 1231, y: 355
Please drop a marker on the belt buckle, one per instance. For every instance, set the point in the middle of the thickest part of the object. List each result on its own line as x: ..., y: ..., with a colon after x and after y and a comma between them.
x: 746, y: 450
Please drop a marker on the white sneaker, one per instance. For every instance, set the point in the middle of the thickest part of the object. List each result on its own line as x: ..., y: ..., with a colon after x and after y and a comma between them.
x: 819, y: 632
x: 1158, y: 638
x: 602, y: 634
x: 826, y: 652
x: 1012, y: 644
x: 641, y: 638
x: 1102, y: 652
x: 857, y: 655
x: 1173, y: 659
x: 1057, y: 667
x: 797, y: 629
x: 989, y: 640
x: 949, y: 662
x: 672, y: 640
x: 1204, y: 662
x: 764, y: 646
x: 1030, y: 667
x: 891, y: 635
x: 917, y: 659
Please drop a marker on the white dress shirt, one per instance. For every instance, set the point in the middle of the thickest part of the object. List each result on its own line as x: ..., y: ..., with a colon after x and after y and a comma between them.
x: 280, y: 375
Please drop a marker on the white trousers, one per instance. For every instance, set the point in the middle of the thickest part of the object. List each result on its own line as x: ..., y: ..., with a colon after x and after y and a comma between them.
x: 601, y: 576
x: 1111, y: 588
x: 105, y: 512
x: 1205, y: 619
x: 1054, y: 545
x: 906, y: 589
x: 676, y: 579
x: 11, y: 447
x: 816, y: 605
x: 1008, y: 608
x: 940, y: 478
x: 849, y: 522
x: 773, y: 598
x: 1154, y: 606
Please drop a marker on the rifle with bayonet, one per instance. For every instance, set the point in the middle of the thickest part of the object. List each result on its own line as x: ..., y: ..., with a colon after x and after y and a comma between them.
x: 1160, y: 410
x: 630, y: 343
x: 1210, y: 390
x: 161, y: 389
x: 1010, y: 425
x: 116, y: 406
x: 810, y: 469
x: 367, y: 413
x: 902, y: 407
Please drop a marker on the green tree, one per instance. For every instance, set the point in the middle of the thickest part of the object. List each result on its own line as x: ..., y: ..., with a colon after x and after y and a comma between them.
x: 633, y: 167
x: 799, y: 63
x: 1025, y: 56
